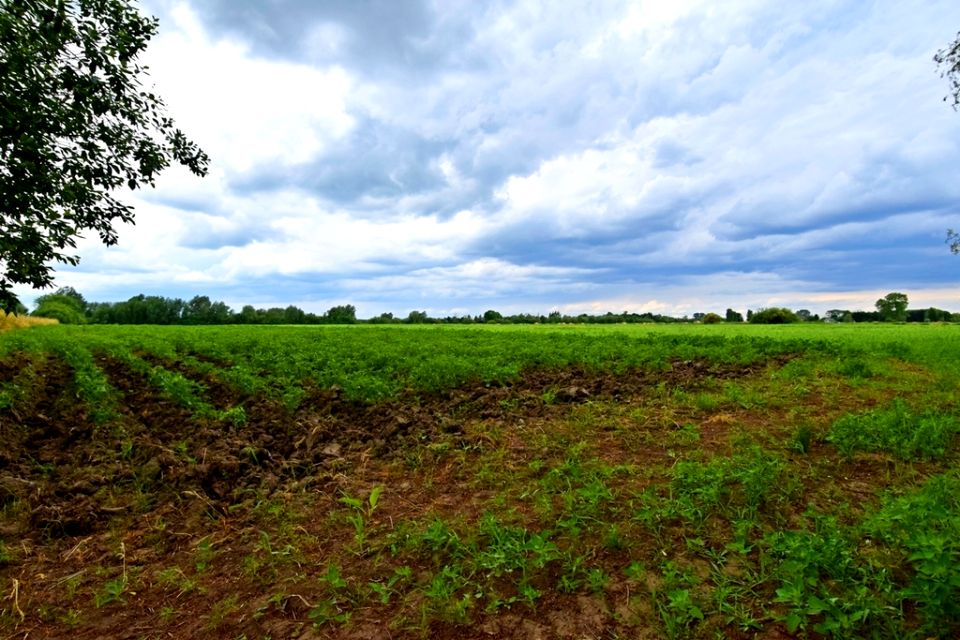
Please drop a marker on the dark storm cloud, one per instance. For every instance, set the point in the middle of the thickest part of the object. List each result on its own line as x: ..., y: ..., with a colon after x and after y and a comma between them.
x: 364, y: 35
x: 376, y: 160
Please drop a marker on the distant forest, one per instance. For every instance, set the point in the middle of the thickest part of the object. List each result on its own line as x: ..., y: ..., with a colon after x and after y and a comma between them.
x: 70, y: 307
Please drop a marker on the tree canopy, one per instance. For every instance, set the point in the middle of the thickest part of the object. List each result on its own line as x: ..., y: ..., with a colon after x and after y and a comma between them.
x: 64, y: 304
x: 948, y: 61
x: 893, y: 306
x: 76, y: 124
x: 774, y: 315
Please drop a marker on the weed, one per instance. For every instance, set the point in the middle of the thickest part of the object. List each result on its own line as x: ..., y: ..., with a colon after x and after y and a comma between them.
x: 223, y: 610
x: 822, y: 584
x: 635, y: 571
x: 333, y: 578
x: 176, y: 578
x: 923, y: 528
x: 896, y: 430
x: 749, y: 480
x: 597, y: 580
x: 675, y: 604
x: 204, y: 555
x: 802, y: 439
x: 362, y: 511
x: 328, y: 612
x: 855, y: 368
x: 384, y: 590
x: 112, y: 591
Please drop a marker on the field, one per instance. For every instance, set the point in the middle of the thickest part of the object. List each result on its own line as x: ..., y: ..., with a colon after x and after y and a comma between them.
x: 480, y: 482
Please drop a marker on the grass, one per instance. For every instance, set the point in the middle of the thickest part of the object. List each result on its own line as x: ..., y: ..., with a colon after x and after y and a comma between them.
x: 679, y: 482
x: 10, y: 321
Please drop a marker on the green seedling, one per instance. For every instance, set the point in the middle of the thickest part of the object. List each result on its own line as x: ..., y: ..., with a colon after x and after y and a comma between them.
x: 362, y: 511
x: 112, y: 591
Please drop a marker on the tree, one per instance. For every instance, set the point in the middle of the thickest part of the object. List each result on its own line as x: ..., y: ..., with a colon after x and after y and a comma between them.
x: 342, y: 314
x: 76, y: 124
x: 65, y: 304
x: 247, y: 315
x: 733, y: 316
x: 384, y: 318
x: 294, y: 315
x: 68, y: 292
x: 774, y: 315
x: 64, y: 295
x: 491, y: 315
x: 416, y: 317
x: 948, y: 61
x: 893, y: 306
x: 836, y: 315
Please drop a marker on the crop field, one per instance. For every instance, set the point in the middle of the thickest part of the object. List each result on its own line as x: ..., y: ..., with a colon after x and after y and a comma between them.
x: 480, y: 482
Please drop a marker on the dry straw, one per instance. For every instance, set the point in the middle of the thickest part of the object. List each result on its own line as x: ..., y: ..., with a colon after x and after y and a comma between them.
x: 10, y: 321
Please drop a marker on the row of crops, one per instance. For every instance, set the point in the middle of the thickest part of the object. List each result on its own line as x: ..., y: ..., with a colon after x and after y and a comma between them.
x: 691, y: 482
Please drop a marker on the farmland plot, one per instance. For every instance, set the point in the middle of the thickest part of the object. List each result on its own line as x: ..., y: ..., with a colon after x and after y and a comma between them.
x: 371, y: 482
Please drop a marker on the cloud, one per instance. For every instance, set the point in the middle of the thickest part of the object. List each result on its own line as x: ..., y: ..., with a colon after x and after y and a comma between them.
x: 528, y: 153
x: 246, y: 111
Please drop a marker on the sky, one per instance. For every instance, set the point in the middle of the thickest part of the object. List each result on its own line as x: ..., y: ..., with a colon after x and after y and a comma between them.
x: 455, y: 156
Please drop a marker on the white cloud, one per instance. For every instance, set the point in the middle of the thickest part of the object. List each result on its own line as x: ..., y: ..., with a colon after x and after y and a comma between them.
x: 484, y: 279
x: 586, y: 147
x: 333, y: 242
x: 243, y: 110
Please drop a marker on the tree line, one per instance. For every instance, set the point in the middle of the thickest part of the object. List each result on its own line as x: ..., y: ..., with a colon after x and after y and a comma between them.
x: 70, y: 307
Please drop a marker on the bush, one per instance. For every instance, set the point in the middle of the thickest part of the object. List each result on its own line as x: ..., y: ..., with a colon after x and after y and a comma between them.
x: 711, y: 318
x: 65, y: 313
x: 774, y: 315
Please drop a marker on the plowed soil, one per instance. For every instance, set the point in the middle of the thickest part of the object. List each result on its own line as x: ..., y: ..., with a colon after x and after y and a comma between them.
x: 85, y: 504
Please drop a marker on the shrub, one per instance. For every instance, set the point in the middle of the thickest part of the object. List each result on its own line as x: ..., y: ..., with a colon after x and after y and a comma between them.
x: 712, y: 318
x: 65, y: 313
x: 774, y: 315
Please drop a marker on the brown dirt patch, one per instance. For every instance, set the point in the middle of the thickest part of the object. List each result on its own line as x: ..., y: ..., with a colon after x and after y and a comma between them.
x: 140, y: 494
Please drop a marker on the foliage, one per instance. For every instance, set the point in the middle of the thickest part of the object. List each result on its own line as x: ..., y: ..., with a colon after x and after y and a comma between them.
x: 733, y: 316
x: 75, y: 125
x: 948, y: 61
x: 896, y: 430
x: 60, y: 309
x: 491, y: 315
x: 416, y: 317
x: 924, y: 527
x: 893, y: 306
x: 343, y: 314
x: 68, y: 295
x: 64, y: 305
x: 774, y: 315
x: 201, y: 310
